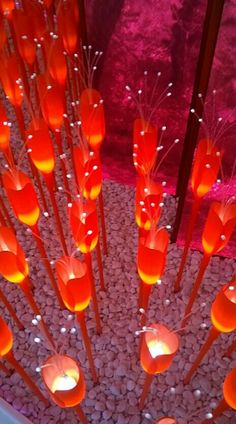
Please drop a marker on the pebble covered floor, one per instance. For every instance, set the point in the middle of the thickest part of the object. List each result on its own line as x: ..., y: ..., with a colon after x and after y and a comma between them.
x: 115, y: 399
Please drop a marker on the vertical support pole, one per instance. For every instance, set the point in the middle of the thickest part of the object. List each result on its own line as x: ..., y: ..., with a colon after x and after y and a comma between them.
x: 205, y: 59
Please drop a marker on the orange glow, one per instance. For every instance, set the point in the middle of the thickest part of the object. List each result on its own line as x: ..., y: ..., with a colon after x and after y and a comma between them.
x: 59, y: 367
x: 152, y: 252
x: 223, y: 310
x: 149, y: 195
x: 163, y: 343
x: 92, y: 117
x: 24, y: 36
x: 13, y: 265
x: 144, y: 146
x: 9, y: 75
x: 22, y: 196
x: 88, y: 172
x: 3, y: 35
x: 205, y: 168
x: 56, y: 60
x: 51, y: 100
x: 39, y: 141
x: 74, y: 283
x: 6, y: 339
x: 68, y: 26
x: 84, y: 224
x: 7, y: 6
x: 166, y: 420
x: 35, y: 14
x: 219, y: 226
x: 229, y: 389
x: 47, y: 3
x: 4, y: 130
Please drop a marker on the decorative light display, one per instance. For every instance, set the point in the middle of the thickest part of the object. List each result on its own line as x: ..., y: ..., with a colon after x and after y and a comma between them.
x: 46, y: 75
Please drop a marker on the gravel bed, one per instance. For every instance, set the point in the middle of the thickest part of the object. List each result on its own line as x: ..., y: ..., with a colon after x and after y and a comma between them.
x: 115, y: 399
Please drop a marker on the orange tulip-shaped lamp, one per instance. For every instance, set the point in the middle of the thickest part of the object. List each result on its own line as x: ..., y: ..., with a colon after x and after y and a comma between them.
x: 152, y: 252
x: 10, y: 79
x: 204, y: 174
x: 144, y: 146
x: 56, y: 61
x: 52, y: 104
x: 93, y: 126
x: 84, y: 227
x: 6, y: 344
x: 89, y: 179
x: 6, y: 7
x: 217, y: 231
x: 167, y: 420
x: 158, y: 348
x: 229, y: 401
x: 24, y: 37
x: 42, y: 155
x: 223, y: 317
x: 75, y: 289
x: 14, y: 268
x: 5, y: 136
x: 24, y: 202
x: 92, y: 117
x: 64, y: 381
x: 148, y: 204
x: 35, y: 13
x: 68, y: 27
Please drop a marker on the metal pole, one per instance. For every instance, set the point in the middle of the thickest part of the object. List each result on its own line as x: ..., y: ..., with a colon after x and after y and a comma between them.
x: 205, y: 59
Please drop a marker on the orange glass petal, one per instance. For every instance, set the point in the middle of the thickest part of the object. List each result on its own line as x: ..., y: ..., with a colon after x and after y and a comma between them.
x: 84, y: 224
x: 52, y: 101
x: 36, y: 16
x: 152, y: 252
x: 149, y: 195
x: 74, y: 283
x: 24, y: 36
x: 56, y: 60
x: 4, y: 130
x: 219, y: 226
x: 88, y: 172
x: 68, y: 26
x: 6, y: 339
x: 144, y: 146
x: 3, y: 35
x: 13, y: 265
x: 9, y: 75
x: 158, y: 349
x: 41, y: 146
x: 167, y: 420
x: 22, y: 196
x: 205, y: 167
x: 60, y: 372
x: 92, y: 117
x: 223, y: 310
x: 229, y: 389
x: 7, y: 6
